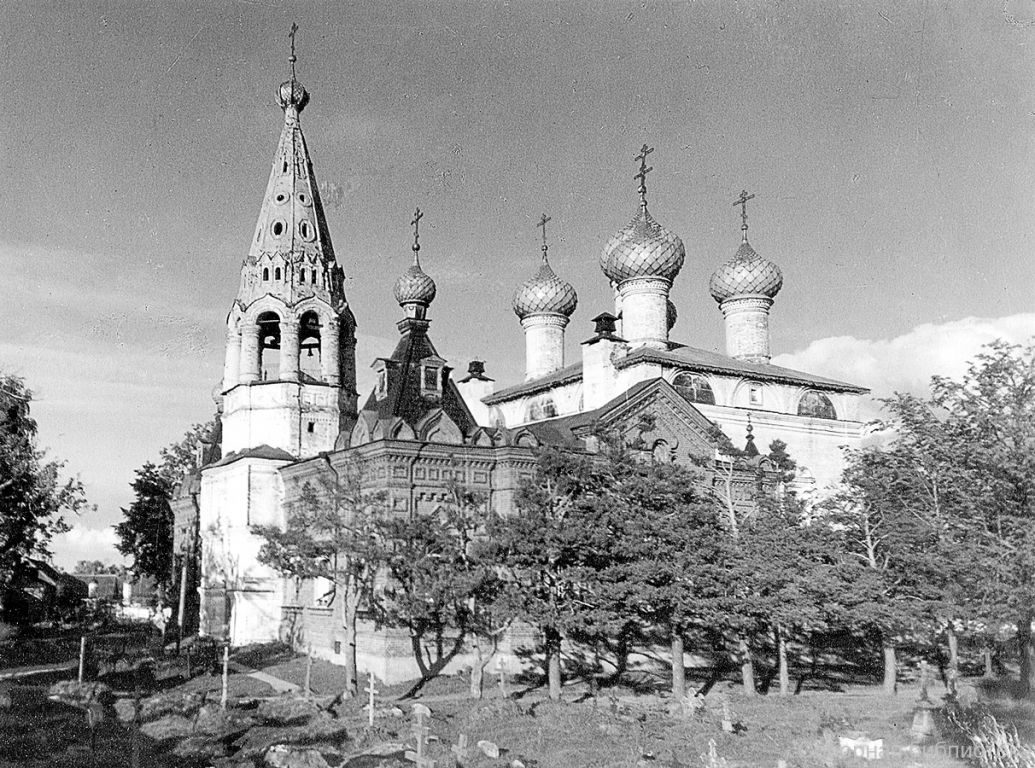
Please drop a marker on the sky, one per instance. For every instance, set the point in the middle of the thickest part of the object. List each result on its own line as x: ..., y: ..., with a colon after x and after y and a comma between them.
x: 889, y: 145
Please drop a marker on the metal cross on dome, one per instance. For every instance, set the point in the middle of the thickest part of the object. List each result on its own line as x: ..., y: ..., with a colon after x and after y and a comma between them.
x: 644, y: 170
x: 742, y: 202
x: 542, y: 225
x: 417, y: 216
x: 292, y: 58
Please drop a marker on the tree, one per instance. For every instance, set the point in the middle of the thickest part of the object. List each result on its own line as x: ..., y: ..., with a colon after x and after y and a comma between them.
x: 441, y: 580
x: 33, y: 497
x: 333, y: 532
x: 790, y: 568
x: 95, y: 566
x: 146, y: 533
x: 992, y: 409
x: 673, y: 552
x: 544, y: 548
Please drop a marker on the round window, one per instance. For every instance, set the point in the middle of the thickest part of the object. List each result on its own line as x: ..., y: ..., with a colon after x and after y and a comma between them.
x: 280, y: 197
x: 278, y: 228
x: 305, y: 229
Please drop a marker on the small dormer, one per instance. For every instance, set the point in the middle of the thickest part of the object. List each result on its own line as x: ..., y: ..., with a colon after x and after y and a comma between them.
x: 433, y: 372
x: 383, y: 371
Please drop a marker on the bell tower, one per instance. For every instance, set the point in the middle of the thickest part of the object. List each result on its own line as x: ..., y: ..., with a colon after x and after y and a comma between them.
x: 289, y: 377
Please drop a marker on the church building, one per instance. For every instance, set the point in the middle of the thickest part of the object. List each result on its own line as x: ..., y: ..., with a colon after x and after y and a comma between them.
x: 289, y: 412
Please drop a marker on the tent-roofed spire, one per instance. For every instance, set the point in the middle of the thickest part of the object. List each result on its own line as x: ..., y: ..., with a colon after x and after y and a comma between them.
x: 291, y: 237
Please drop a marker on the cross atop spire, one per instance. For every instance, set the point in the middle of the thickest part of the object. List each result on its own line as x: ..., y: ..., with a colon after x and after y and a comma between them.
x: 542, y: 225
x: 292, y: 58
x: 742, y: 202
x: 417, y: 216
x: 642, y: 175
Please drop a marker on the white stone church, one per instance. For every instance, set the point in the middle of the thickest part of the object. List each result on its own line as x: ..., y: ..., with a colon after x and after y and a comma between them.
x: 289, y: 411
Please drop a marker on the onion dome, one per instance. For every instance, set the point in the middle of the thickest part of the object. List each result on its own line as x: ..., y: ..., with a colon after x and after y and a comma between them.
x: 545, y: 293
x: 292, y: 94
x: 671, y: 315
x: 746, y: 273
x: 643, y: 248
x: 414, y: 286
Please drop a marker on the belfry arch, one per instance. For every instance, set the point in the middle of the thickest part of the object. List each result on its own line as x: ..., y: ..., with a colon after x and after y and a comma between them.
x: 269, y: 346
x: 310, y: 350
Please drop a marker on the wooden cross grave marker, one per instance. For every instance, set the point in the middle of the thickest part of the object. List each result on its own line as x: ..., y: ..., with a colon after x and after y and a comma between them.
x: 459, y: 749
x: 420, y: 733
x: 371, y: 690
x: 501, y: 670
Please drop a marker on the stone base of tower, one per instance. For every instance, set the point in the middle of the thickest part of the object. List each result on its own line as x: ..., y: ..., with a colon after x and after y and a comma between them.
x: 302, y: 419
x: 240, y: 598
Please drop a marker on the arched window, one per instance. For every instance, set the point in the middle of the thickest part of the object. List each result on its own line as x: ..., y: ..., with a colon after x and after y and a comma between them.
x: 276, y: 273
x: 312, y: 274
x: 694, y: 388
x: 278, y: 228
x: 309, y: 350
x: 265, y: 274
x: 269, y: 346
x: 541, y: 407
x: 301, y: 275
x: 817, y: 405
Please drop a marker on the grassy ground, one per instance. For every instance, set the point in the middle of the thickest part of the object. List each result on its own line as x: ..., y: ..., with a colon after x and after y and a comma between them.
x: 37, y: 733
x: 624, y: 728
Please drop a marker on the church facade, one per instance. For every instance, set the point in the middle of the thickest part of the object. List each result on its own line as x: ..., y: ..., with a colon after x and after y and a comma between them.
x: 289, y: 413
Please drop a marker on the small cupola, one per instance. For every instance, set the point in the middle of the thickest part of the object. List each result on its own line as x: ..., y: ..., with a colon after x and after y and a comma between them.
x: 415, y: 290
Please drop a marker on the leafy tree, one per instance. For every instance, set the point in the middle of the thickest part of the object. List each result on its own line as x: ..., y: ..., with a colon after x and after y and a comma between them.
x: 442, y: 580
x: 96, y: 566
x: 33, y: 496
x: 791, y: 572
x: 672, y: 570
x: 544, y: 548
x: 333, y: 532
x: 146, y: 532
x: 992, y: 410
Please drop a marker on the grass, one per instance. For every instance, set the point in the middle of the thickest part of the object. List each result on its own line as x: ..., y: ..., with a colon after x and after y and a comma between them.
x: 622, y: 728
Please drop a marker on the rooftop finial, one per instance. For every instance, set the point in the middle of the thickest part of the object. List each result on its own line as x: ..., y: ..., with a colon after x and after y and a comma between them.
x: 750, y: 449
x: 417, y: 216
x: 642, y: 175
x: 542, y: 225
x: 292, y: 58
x: 742, y: 202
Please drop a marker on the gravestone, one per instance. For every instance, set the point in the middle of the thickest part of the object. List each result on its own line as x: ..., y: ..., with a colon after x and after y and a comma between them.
x: 501, y: 669
x: 371, y: 690
x: 459, y: 749
x: 418, y: 755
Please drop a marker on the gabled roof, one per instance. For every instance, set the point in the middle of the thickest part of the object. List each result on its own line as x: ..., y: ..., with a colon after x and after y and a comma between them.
x: 566, y: 375
x: 569, y: 431
x: 685, y: 357
x: 702, y: 360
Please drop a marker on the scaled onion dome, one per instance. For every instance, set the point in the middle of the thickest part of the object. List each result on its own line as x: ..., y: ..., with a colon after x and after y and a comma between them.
x: 292, y: 94
x: 545, y: 293
x: 414, y: 286
x: 642, y: 248
x: 746, y: 273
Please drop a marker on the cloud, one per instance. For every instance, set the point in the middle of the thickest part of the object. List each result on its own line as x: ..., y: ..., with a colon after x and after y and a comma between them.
x: 906, y: 363
x: 84, y: 543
